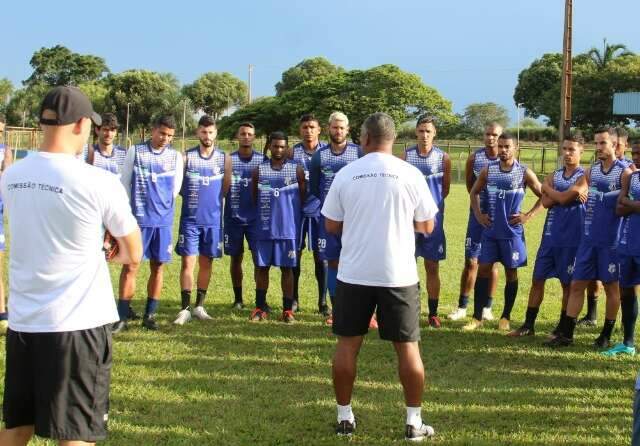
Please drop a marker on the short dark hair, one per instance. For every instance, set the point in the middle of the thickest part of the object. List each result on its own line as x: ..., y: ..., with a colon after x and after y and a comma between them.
x: 3, y: 119
x: 308, y: 117
x: 426, y: 119
x: 575, y: 137
x: 247, y: 124
x: 167, y: 121
x: 206, y: 121
x: 279, y: 136
x: 610, y: 130
x: 506, y: 135
x: 109, y: 120
x: 622, y: 133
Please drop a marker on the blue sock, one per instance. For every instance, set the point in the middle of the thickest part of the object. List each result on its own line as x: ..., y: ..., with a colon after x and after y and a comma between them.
x: 261, y: 299
x: 152, y: 306
x: 480, y: 291
x: 463, y: 301
x: 123, y: 309
x: 510, y: 294
x: 4, y: 316
x: 332, y: 280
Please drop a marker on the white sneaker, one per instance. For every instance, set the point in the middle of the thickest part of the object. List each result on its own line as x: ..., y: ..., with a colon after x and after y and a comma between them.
x: 417, y: 434
x: 487, y: 315
x: 184, y: 316
x: 460, y: 313
x: 201, y: 313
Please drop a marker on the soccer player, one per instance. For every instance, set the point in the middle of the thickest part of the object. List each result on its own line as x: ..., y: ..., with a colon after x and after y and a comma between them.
x: 6, y: 158
x: 152, y: 175
x: 302, y: 154
x: 107, y: 155
x: 477, y: 161
x: 207, y: 175
x: 629, y: 255
x: 505, y: 182
x: 325, y: 164
x: 278, y: 191
x: 435, y: 165
x: 564, y: 193
x: 596, y: 258
x: 239, y: 209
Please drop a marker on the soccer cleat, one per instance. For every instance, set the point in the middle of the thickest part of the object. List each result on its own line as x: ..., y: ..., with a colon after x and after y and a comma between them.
x: 324, y: 310
x: 412, y: 433
x: 620, y: 349
x: 602, y: 342
x: 237, y: 305
x: 4, y: 325
x: 434, y: 322
x: 559, y: 341
x: 258, y: 315
x: 200, y: 313
x: 184, y: 316
x: 149, y: 322
x: 487, y: 315
x: 287, y: 316
x: 503, y: 324
x: 473, y: 325
x: 345, y: 428
x: 133, y: 316
x: 556, y: 331
x: 373, y: 323
x: 460, y: 313
x: 521, y: 332
x: 119, y: 327
x: 587, y: 322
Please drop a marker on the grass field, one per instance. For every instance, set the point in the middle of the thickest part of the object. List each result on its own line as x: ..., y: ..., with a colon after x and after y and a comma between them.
x: 231, y: 382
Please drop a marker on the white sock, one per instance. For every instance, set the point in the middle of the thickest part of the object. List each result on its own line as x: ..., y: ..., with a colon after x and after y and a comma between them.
x: 345, y: 413
x: 414, y: 418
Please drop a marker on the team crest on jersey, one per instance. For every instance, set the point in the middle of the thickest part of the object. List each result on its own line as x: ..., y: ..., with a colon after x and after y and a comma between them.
x: 216, y: 170
x: 287, y: 181
x: 612, y: 186
x: 292, y: 254
x: 440, y: 249
x: 570, y: 269
x: 612, y: 268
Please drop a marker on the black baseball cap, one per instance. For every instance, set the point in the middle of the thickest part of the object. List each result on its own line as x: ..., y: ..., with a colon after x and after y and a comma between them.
x: 66, y: 105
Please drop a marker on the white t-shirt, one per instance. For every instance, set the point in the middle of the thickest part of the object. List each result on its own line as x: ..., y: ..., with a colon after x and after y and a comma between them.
x: 58, y: 209
x: 378, y: 197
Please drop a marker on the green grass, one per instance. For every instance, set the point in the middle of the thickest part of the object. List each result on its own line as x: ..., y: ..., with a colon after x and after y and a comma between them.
x: 232, y: 382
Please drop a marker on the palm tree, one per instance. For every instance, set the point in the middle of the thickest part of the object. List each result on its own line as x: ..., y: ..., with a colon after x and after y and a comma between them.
x: 608, y: 53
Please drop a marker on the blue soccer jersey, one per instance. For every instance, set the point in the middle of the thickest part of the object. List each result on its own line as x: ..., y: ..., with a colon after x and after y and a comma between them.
x: 279, y: 205
x: 112, y: 163
x: 432, y: 167
x: 311, y: 206
x: 505, y: 193
x: 153, y: 183
x: 239, y: 208
x: 601, y: 224
x: 326, y: 164
x: 480, y: 161
x: 562, y: 220
x: 629, y: 242
x: 202, y: 188
x: 626, y: 161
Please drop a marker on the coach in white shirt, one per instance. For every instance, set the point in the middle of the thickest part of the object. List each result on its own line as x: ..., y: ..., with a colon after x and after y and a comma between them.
x: 376, y: 203
x: 61, y: 306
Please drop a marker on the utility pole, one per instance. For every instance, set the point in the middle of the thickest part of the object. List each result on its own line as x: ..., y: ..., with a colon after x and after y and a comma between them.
x: 564, y: 126
x: 250, y: 79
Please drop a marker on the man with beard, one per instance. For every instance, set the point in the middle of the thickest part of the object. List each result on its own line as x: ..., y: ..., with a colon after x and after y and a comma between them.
x: 107, y: 155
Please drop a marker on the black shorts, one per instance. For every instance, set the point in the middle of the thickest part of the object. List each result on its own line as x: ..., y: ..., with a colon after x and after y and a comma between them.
x: 59, y: 383
x: 397, y: 310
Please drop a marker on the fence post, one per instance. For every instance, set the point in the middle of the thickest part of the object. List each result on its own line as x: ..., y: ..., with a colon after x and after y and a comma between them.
x: 543, y: 151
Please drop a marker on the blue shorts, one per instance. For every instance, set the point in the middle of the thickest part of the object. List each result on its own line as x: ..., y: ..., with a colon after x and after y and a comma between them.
x: 282, y: 253
x: 308, y: 233
x: 512, y: 253
x: 234, y: 236
x: 199, y: 240
x: 434, y: 246
x: 473, y: 238
x: 555, y: 263
x: 156, y: 243
x: 629, y: 271
x: 595, y: 263
x: 329, y: 245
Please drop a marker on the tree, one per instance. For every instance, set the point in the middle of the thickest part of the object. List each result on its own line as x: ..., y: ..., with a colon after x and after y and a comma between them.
x: 608, y: 53
x: 24, y: 105
x: 476, y: 116
x: 60, y: 66
x: 213, y: 93
x: 266, y: 114
x: 308, y: 69
x: 6, y: 88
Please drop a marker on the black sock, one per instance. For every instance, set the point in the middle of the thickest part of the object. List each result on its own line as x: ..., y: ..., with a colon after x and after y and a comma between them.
x: 592, y: 308
x: 186, y: 299
x: 568, y: 326
x: 510, y: 294
x: 530, y: 318
x: 480, y: 291
x: 261, y: 299
x: 287, y: 303
x: 433, y: 307
x: 463, y: 301
x: 321, y: 278
x: 237, y: 293
x: 563, y: 315
x: 489, y: 301
x: 296, y: 280
x: 607, y: 328
x: 629, y: 306
x: 200, y: 295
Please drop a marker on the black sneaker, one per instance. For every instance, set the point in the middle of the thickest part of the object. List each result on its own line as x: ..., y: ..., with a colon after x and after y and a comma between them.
x: 118, y: 327
x: 559, y: 341
x: 324, y: 310
x: 556, y: 331
x: 412, y: 433
x: 132, y: 316
x: 237, y: 305
x: 522, y: 332
x: 149, y: 322
x: 587, y: 322
x: 345, y: 428
x: 602, y: 342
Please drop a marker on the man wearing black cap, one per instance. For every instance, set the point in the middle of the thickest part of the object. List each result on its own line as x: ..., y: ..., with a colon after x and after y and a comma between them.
x: 58, y: 354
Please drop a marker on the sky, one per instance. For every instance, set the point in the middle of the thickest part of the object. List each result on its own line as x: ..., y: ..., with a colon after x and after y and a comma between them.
x: 470, y: 51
